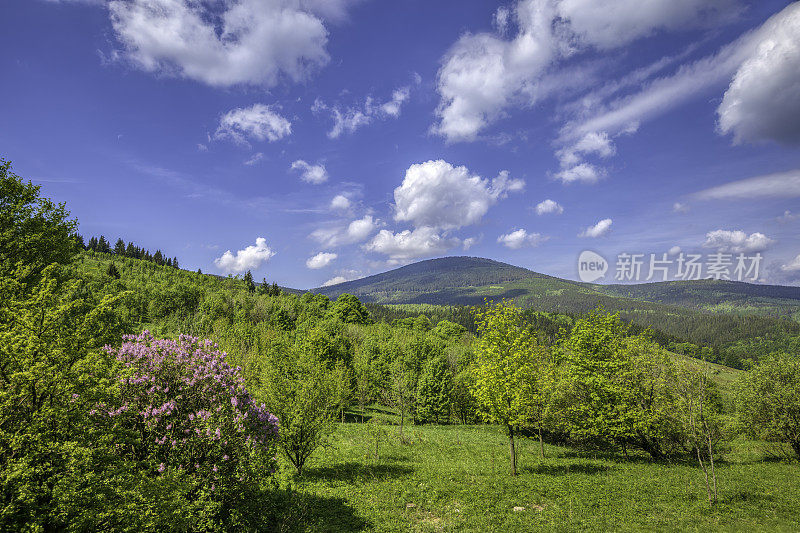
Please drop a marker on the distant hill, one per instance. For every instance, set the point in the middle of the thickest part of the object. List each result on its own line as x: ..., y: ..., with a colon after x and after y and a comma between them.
x: 468, y: 280
x: 713, y: 313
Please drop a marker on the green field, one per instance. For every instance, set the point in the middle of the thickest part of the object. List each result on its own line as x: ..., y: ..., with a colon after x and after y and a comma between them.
x: 454, y: 478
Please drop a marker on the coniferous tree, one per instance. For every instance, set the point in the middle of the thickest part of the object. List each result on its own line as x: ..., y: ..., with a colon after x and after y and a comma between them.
x: 119, y: 247
x: 102, y: 245
x: 93, y: 244
x: 248, y: 281
x: 130, y: 250
x: 79, y: 241
x: 112, y: 271
x: 275, y: 291
x: 174, y: 262
x: 169, y: 261
x: 158, y: 257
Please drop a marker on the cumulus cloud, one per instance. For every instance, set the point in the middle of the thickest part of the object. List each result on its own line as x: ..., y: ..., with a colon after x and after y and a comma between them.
x: 356, y: 231
x: 309, y: 173
x: 598, y: 230
x: 520, y: 238
x: 421, y: 242
x: 585, y: 173
x: 250, y: 258
x: 438, y: 195
x: 776, y: 185
x: 737, y: 241
x: 763, y: 99
x: 335, y: 281
x: 340, y: 202
x: 549, y: 207
x: 259, y: 122
x: 351, y: 118
x: 792, y: 266
x: 226, y: 42
x: 321, y: 260
x: 482, y: 74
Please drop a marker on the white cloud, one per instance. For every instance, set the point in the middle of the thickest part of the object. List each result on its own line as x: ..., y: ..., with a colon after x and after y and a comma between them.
x: 598, y: 230
x: 314, y: 174
x: 608, y: 24
x: 468, y: 243
x: 763, y: 100
x: 591, y: 143
x: 255, y: 159
x: 788, y: 216
x: 399, y: 97
x: 675, y: 250
x: 439, y: 195
x: 335, y: 281
x: 225, y: 42
x: 259, y: 122
x: 340, y: 202
x: 792, y: 266
x: 549, y: 207
x: 777, y: 185
x: 250, y: 258
x: 585, y: 172
x: 350, y: 119
x: 737, y: 241
x: 679, y: 207
x: 424, y: 241
x: 321, y: 260
x: 519, y: 238
x: 483, y: 74
x: 356, y: 231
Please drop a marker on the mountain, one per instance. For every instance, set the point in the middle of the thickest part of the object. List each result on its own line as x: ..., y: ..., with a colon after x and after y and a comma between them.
x: 468, y: 280
x: 704, y: 312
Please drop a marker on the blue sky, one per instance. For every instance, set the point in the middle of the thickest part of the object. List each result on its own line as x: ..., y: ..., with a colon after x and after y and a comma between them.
x: 320, y: 140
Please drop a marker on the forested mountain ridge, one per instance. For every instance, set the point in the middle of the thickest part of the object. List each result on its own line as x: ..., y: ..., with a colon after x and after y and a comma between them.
x: 468, y: 280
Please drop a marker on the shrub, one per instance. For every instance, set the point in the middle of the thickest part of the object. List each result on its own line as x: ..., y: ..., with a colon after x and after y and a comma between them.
x: 184, y: 413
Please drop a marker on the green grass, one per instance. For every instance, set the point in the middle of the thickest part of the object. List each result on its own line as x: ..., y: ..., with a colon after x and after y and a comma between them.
x: 454, y: 478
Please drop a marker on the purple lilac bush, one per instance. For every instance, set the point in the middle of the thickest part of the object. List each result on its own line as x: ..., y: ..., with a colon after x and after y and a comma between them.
x: 188, y: 413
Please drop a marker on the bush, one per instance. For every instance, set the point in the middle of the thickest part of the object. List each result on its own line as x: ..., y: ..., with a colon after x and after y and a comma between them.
x: 769, y: 401
x: 184, y: 414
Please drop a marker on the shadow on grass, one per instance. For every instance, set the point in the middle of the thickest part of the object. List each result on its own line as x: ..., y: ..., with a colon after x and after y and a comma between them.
x: 309, y: 512
x: 353, y: 471
x: 559, y: 470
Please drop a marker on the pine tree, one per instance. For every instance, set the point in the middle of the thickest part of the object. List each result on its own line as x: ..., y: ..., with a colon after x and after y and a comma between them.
x: 158, y: 257
x: 264, y: 287
x: 174, y: 262
x: 130, y: 250
x: 93, y: 244
x: 102, y: 245
x: 169, y: 261
x: 275, y: 291
x: 112, y: 271
x: 248, y: 281
x: 79, y: 241
x: 119, y: 248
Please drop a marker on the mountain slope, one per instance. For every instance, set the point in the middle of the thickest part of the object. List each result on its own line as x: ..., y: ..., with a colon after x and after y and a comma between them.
x: 704, y: 312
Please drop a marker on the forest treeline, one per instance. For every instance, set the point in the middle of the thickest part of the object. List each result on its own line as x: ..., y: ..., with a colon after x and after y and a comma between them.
x: 148, y: 397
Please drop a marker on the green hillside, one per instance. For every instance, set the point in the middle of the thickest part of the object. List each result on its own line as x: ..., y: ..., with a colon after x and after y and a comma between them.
x: 735, y: 318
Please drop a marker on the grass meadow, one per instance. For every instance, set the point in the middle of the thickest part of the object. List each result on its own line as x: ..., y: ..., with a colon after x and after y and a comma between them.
x: 455, y: 478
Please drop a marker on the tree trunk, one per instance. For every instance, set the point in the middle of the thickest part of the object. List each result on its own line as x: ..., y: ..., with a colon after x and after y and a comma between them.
x: 705, y: 473
x: 713, y: 473
x: 541, y: 443
x: 512, y: 451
